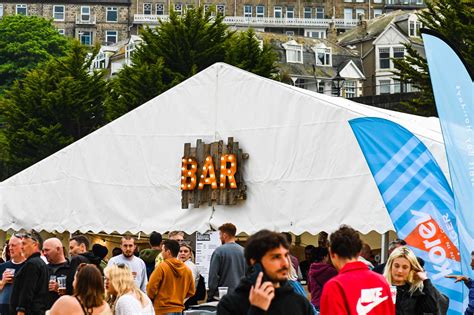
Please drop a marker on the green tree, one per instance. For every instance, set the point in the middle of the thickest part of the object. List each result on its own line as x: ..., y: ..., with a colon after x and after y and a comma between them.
x: 54, y: 105
x: 244, y: 51
x: 177, y: 50
x: 187, y: 44
x: 26, y: 41
x: 454, y: 20
x: 136, y: 85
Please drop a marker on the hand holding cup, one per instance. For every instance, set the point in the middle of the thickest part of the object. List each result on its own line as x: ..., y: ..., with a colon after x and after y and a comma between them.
x: 52, y: 285
x: 8, y: 275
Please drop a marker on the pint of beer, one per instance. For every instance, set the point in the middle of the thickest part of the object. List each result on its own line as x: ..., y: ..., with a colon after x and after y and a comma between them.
x: 61, y: 285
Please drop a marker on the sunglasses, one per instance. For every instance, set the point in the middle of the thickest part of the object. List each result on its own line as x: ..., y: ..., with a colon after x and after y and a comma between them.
x: 31, y: 236
x: 398, y: 242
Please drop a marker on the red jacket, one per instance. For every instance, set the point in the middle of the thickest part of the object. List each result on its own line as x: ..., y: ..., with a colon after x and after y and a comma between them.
x: 357, y: 291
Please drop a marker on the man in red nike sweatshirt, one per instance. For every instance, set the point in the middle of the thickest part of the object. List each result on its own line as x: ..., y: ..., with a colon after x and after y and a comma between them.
x: 355, y: 290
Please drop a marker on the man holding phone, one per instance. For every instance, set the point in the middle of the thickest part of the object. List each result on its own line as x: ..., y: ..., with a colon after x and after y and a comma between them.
x: 265, y: 290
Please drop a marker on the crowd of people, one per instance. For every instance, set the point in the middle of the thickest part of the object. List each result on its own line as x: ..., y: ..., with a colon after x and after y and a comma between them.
x: 262, y: 278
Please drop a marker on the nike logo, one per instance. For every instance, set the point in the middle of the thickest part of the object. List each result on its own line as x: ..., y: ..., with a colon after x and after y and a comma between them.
x: 365, y: 309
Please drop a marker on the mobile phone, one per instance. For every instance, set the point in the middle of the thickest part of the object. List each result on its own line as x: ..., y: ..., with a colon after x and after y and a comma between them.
x: 255, y: 271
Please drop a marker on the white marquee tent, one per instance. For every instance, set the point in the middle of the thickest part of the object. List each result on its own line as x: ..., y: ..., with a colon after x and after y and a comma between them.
x: 305, y: 171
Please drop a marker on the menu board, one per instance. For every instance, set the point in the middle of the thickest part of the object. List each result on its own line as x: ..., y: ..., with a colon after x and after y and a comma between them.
x: 205, y: 245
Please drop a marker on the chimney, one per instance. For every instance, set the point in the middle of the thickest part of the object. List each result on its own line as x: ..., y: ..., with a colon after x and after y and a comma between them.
x: 362, y: 22
x: 332, y: 32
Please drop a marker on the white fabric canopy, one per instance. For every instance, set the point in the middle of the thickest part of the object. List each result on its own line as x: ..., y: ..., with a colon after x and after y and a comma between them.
x: 305, y: 171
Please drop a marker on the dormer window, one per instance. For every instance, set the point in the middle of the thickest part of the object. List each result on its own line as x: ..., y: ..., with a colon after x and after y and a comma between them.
x: 323, y: 55
x: 294, y: 52
x: 413, y: 26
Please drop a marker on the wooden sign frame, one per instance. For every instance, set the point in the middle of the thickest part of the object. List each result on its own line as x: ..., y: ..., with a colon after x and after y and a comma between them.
x: 208, y: 194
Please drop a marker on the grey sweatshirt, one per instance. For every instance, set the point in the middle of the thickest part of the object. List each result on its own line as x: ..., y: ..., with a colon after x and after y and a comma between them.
x: 227, y: 267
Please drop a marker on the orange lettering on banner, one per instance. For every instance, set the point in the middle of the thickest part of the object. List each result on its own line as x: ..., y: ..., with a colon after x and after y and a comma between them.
x: 188, y: 173
x: 208, y: 176
x: 228, y: 170
x: 429, y: 237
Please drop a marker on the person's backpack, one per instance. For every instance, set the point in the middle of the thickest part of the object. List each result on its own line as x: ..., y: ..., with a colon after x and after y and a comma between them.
x: 201, y: 289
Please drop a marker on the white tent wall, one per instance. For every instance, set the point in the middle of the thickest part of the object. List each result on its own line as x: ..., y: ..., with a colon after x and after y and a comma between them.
x: 305, y: 171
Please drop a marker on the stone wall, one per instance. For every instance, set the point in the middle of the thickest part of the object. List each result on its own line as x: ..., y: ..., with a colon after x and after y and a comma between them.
x: 98, y: 26
x: 298, y: 6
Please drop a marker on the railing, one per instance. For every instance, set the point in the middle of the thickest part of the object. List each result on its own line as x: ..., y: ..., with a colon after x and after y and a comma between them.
x: 90, y: 21
x: 418, y: 3
x: 257, y: 21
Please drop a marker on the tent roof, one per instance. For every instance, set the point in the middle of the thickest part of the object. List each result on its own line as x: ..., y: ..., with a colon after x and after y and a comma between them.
x: 305, y: 171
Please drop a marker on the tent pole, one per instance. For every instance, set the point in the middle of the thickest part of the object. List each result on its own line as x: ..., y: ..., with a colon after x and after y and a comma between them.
x: 384, y: 247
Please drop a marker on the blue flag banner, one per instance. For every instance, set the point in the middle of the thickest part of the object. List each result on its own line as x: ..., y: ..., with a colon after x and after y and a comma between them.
x: 453, y: 91
x: 418, y: 198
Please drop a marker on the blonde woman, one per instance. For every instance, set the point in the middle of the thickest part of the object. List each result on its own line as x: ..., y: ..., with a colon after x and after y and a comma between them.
x: 415, y: 293
x: 126, y: 296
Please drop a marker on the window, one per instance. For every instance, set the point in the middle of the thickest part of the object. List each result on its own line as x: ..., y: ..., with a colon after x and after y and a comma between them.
x: 129, y: 50
x: 61, y: 31
x: 398, y: 52
x: 100, y: 61
x: 316, y: 34
x: 377, y: 1
x: 347, y: 0
x: 290, y: 12
x: 308, y: 13
x: 85, y: 38
x: 414, y: 30
x: 220, y: 9
x: 178, y: 8
x: 58, y: 13
x: 347, y: 14
x: 360, y: 12
x: 359, y: 0
x: 320, y: 13
x: 377, y: 12
x: 323, y: 56
x: 111, y: 37
x: 160, y: 9
x: 22, y: 9
x: 419, y: 2
x: 147, y: 8
x: 1, y: 10
x: 350, y: 89
x: 294, y: 52
x: 112, y: 14
x: 247, y: 10
x: 321, y: 88
x: 260, y: 11
x: 207, y: 7
x: 396, y: 86
x: 384, y: 87
x: 384, y: 58
x: 277, y: 12
x: 85, y: 14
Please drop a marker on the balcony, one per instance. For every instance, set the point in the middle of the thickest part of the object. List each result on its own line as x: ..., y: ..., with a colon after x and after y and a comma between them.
x: 404, y: 4
x: 82, y: 19
x: 260, y: 22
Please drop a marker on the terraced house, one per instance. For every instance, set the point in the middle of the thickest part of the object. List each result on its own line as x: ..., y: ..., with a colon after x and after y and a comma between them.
x: 90, y: 21
x: 110, y: 21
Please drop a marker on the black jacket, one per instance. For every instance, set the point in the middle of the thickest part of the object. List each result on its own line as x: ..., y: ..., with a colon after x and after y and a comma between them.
x: 87, y: 258
x: 30, y: 287
x: 286, y: 301
x: 418, y: 303
x: 59, y: 270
